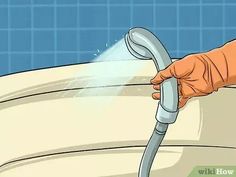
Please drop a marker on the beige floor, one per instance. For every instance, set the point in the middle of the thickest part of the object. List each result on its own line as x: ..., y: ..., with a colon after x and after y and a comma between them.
x: 98, y: 124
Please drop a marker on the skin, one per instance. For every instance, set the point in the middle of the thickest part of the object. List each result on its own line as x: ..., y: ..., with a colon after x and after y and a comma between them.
x: 200, y: 74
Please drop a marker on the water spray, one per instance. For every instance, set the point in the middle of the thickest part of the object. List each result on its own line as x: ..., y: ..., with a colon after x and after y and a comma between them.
x: 143, y: 44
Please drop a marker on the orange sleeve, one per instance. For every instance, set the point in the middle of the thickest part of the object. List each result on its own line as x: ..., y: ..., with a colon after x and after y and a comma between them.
x: 222, y: 63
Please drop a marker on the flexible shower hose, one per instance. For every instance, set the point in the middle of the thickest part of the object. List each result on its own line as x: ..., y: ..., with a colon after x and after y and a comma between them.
x: 151, y: 149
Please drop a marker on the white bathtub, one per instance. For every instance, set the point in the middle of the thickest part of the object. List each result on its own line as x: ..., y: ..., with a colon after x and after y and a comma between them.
x: 95, y: 119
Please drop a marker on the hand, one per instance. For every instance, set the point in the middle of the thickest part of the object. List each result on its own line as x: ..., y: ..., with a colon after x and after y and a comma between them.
x: 193, y: 76
x: 200, y: 74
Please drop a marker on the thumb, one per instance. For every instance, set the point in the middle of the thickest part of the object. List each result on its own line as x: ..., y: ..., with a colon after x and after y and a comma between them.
x: 163, y: 75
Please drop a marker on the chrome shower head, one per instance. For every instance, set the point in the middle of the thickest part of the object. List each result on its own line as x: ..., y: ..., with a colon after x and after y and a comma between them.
x: 135, y: 48
x: 143, y: 44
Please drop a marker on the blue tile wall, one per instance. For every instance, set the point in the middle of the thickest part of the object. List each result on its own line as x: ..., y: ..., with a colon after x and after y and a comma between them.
x: 3, y: 17
x: 190, y: 40
x: 19, y: 2
x: 95, y: 39
x: 20, y: 62
x: 67, y: 40
x: 120, y: 16
x: 166, y: 16
x: 3, y: 41
x: 67, y: 1
x: 117, y: 34
x: 189, y: 1
x: 92, y: 1
x: 43, y: 17
x: 230, y: 34
x: 20, y: 17
x: 45, y: 33
x: 189, y: 16
x: 93, y: 16
x: 3, y: 2
x: 210, y: 14
x: 166, y: 2
x: 140, y: 18
x: 66, y: 17
x: 43, y: 60
x: 212, y: 36
x: 4, y: 64
x: 168, y: 38
x: 20, y: 41
x: 230, y: 15
x: 43, y: 40
x: 67, y: 58
x: 43, y: 2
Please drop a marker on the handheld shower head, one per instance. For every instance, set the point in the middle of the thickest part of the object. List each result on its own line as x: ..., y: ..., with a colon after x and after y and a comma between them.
x: 143, y: 44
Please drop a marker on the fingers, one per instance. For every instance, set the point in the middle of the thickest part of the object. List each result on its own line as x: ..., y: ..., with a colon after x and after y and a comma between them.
x: 162, y: 75
x: 156, y: 96
x: 183, y: 101
x: 157, y: 87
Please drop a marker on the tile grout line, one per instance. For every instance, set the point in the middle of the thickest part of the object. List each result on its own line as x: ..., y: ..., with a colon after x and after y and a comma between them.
x: 154, y: 15
x: 118, y: 4
x: 55, y: 32
x: 32, y: 35
x: 108, y: 24
x: 223, y: 23
x: 77, y: 32
x: 115, y: 28
x: 177, y: 30
x: 200, y: 28
x: 9, y: 37
x: 131, y: 13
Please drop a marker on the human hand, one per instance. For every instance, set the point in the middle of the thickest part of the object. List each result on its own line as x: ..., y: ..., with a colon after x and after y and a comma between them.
x: 200, y: 74
x: 193, y: 76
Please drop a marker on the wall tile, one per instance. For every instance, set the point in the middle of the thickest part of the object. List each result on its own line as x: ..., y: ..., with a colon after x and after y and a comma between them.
x: 166, y: 16
x: 20, y: 41
x: 189, y: 16
x: 20, y: 62
x: 4, y: 41
x: 189, y: 40
x: 93, y: 16
x: 67, y: 17
x: 20, y: 17
x: 44, y: 40
x: 67, y: 40
x: 43, y: 60
x: 43, y: 17
x: 120, y: 16
x: 212, y: 16
x: 3, y: 17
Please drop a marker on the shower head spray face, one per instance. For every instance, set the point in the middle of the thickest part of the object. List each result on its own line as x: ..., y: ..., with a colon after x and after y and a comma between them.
x: 136, y: 49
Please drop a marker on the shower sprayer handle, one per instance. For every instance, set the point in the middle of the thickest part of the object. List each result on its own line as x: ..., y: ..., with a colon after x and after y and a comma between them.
x: 143, y: 44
